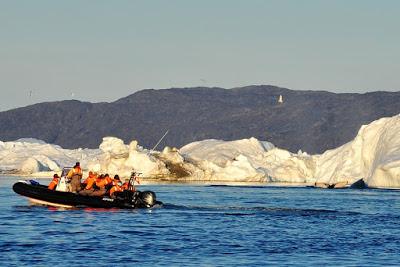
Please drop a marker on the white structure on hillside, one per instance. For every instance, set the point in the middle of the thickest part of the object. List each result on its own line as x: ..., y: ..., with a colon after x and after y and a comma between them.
x: 280, y: 100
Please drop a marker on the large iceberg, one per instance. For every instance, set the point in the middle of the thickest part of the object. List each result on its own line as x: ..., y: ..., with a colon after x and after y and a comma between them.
x: 374, y: 156
x: 118, y: 158
x: 234, y: 161
x: 30, y: 156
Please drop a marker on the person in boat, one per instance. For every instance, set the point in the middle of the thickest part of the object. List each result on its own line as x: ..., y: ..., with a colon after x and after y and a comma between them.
x: 125, y: 185
x: 116, y: 186
x: 75, y: 175
x: 53, y: 184
x: 127, y: 190
x: 89, y: 182
x: 108, y: 180
x: 90, y: 177
x: 100, y: 186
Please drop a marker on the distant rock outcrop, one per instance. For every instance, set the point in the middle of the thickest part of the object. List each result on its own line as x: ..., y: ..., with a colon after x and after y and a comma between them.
x: 312, y: 121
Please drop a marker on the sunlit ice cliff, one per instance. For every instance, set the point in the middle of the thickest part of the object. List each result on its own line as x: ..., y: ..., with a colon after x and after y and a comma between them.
x: 373, y: 155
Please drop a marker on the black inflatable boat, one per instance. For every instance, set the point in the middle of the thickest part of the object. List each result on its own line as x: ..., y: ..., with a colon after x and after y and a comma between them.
x: 39, y: 194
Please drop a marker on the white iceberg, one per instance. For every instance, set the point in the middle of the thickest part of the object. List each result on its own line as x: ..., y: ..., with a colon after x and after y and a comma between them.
x: 31, y: 157
x: 374, y: 156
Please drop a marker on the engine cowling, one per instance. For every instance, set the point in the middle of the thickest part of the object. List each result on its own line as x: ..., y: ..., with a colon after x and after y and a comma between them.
x: 147, y: 199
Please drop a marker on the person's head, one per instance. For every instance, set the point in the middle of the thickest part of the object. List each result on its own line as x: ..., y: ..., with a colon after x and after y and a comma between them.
x: 77, y: 164
x: 90, y: 173
x: 101, y: 176
x: 116, y: 177
x: 56, y: 176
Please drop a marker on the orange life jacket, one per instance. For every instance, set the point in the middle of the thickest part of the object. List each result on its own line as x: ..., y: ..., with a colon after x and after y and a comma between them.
x: 77, y: 170
x: 90, y: 182
x: 53, y: 184
x: 90, y: 177
x: 101, y: 182
x: 125, y: 186
x: 115, y: 188
x: 109, y: 180
x: 73, y: 171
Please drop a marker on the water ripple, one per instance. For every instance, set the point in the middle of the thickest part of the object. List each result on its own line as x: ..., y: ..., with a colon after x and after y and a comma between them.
x: 208, y: 226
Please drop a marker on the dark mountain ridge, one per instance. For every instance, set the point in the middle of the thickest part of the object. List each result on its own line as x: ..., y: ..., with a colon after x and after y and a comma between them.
x: 313, y: 121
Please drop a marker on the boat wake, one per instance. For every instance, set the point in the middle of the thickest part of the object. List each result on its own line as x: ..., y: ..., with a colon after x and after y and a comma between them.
x: 246, y: 211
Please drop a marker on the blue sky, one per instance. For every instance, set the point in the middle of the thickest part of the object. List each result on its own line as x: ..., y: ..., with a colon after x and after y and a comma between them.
x: 104, y: 50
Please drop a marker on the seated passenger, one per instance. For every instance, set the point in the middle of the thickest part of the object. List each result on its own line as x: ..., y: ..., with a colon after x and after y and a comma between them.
x: 90, y: 181
x: 126, y: 186
x: 116, y: 179
x: 100, y: 186
x: 108, y: 180
x: 90, y: 176
x: 54, y: 182
x: 130, y: 183
x: 116, y: 186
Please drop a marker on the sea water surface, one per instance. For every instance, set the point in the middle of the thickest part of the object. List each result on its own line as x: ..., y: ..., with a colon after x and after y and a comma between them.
x: 202, y: 225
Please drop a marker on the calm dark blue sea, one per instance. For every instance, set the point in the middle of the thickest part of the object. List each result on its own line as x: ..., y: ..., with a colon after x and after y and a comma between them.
x: 202, y: 225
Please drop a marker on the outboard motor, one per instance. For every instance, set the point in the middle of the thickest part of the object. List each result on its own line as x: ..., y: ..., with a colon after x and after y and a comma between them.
x: 147, y: 199
x: 137, y: 199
